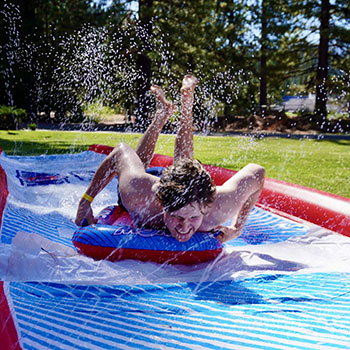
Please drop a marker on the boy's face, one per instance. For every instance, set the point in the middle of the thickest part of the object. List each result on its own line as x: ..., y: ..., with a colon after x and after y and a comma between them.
x: 184, y: 222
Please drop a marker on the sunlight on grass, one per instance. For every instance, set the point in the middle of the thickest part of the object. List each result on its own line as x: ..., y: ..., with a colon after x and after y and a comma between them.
x: 324, y: 165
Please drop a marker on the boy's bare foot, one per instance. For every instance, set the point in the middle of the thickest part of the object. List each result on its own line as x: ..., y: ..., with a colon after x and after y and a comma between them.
x: 162, y: 104
x: 189, y: 83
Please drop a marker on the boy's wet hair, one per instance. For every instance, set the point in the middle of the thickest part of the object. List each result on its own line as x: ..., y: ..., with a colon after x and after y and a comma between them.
x: 184, y: 182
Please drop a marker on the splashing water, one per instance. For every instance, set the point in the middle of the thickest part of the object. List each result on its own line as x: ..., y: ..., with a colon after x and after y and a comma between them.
x: 98, y: 65
x: 14, y: 51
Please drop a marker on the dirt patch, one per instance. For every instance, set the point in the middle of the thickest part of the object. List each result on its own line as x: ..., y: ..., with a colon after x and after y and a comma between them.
x: 281, y: 123
x: 275, y: 123
x: 114, y: 119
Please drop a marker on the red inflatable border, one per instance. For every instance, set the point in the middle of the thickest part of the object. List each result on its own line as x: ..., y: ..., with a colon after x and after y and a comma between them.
x: 3, y: 190
x: 321, y: 208
x: 8, y: 332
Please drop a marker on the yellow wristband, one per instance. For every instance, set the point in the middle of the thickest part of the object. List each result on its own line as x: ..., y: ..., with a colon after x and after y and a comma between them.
x: 88, y: 197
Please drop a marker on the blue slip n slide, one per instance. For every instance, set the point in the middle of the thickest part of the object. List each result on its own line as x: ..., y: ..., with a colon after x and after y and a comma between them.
x: 281, y: 285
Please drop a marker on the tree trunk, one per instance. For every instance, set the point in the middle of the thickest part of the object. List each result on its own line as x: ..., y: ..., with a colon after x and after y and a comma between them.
x: 322, y: 68
x: 143, y: 64
x: 19, y: 82
x: 263, y: 59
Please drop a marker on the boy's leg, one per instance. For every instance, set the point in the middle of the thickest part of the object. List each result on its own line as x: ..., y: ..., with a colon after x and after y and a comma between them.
x: 184, y: 137
x: 147, y: 144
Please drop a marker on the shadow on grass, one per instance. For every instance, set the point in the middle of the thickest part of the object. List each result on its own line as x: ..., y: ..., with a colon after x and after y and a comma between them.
x: 340, y: 142
x: 35, y: 148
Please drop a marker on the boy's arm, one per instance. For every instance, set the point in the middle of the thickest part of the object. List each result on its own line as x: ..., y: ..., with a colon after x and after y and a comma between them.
x: 235, y: 229
x: 234, y: 201
x: 103, y: 176
x: 119, y: 160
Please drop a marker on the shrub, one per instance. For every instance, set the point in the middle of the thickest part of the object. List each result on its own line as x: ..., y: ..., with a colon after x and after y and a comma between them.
x: 32, y: 126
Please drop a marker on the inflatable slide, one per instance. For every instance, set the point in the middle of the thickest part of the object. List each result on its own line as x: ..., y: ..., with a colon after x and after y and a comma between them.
x: 283, y: 284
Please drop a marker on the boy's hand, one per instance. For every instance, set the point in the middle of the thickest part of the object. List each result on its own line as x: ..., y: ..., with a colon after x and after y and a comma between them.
x: 228, y: 233
x: 84, y: 215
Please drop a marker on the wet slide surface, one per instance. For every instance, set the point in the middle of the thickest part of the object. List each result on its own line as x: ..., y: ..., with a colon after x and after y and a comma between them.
x: 281, y: 285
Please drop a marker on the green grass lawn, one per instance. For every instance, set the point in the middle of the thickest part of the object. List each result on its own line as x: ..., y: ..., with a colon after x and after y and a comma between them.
x: 324, y: 164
